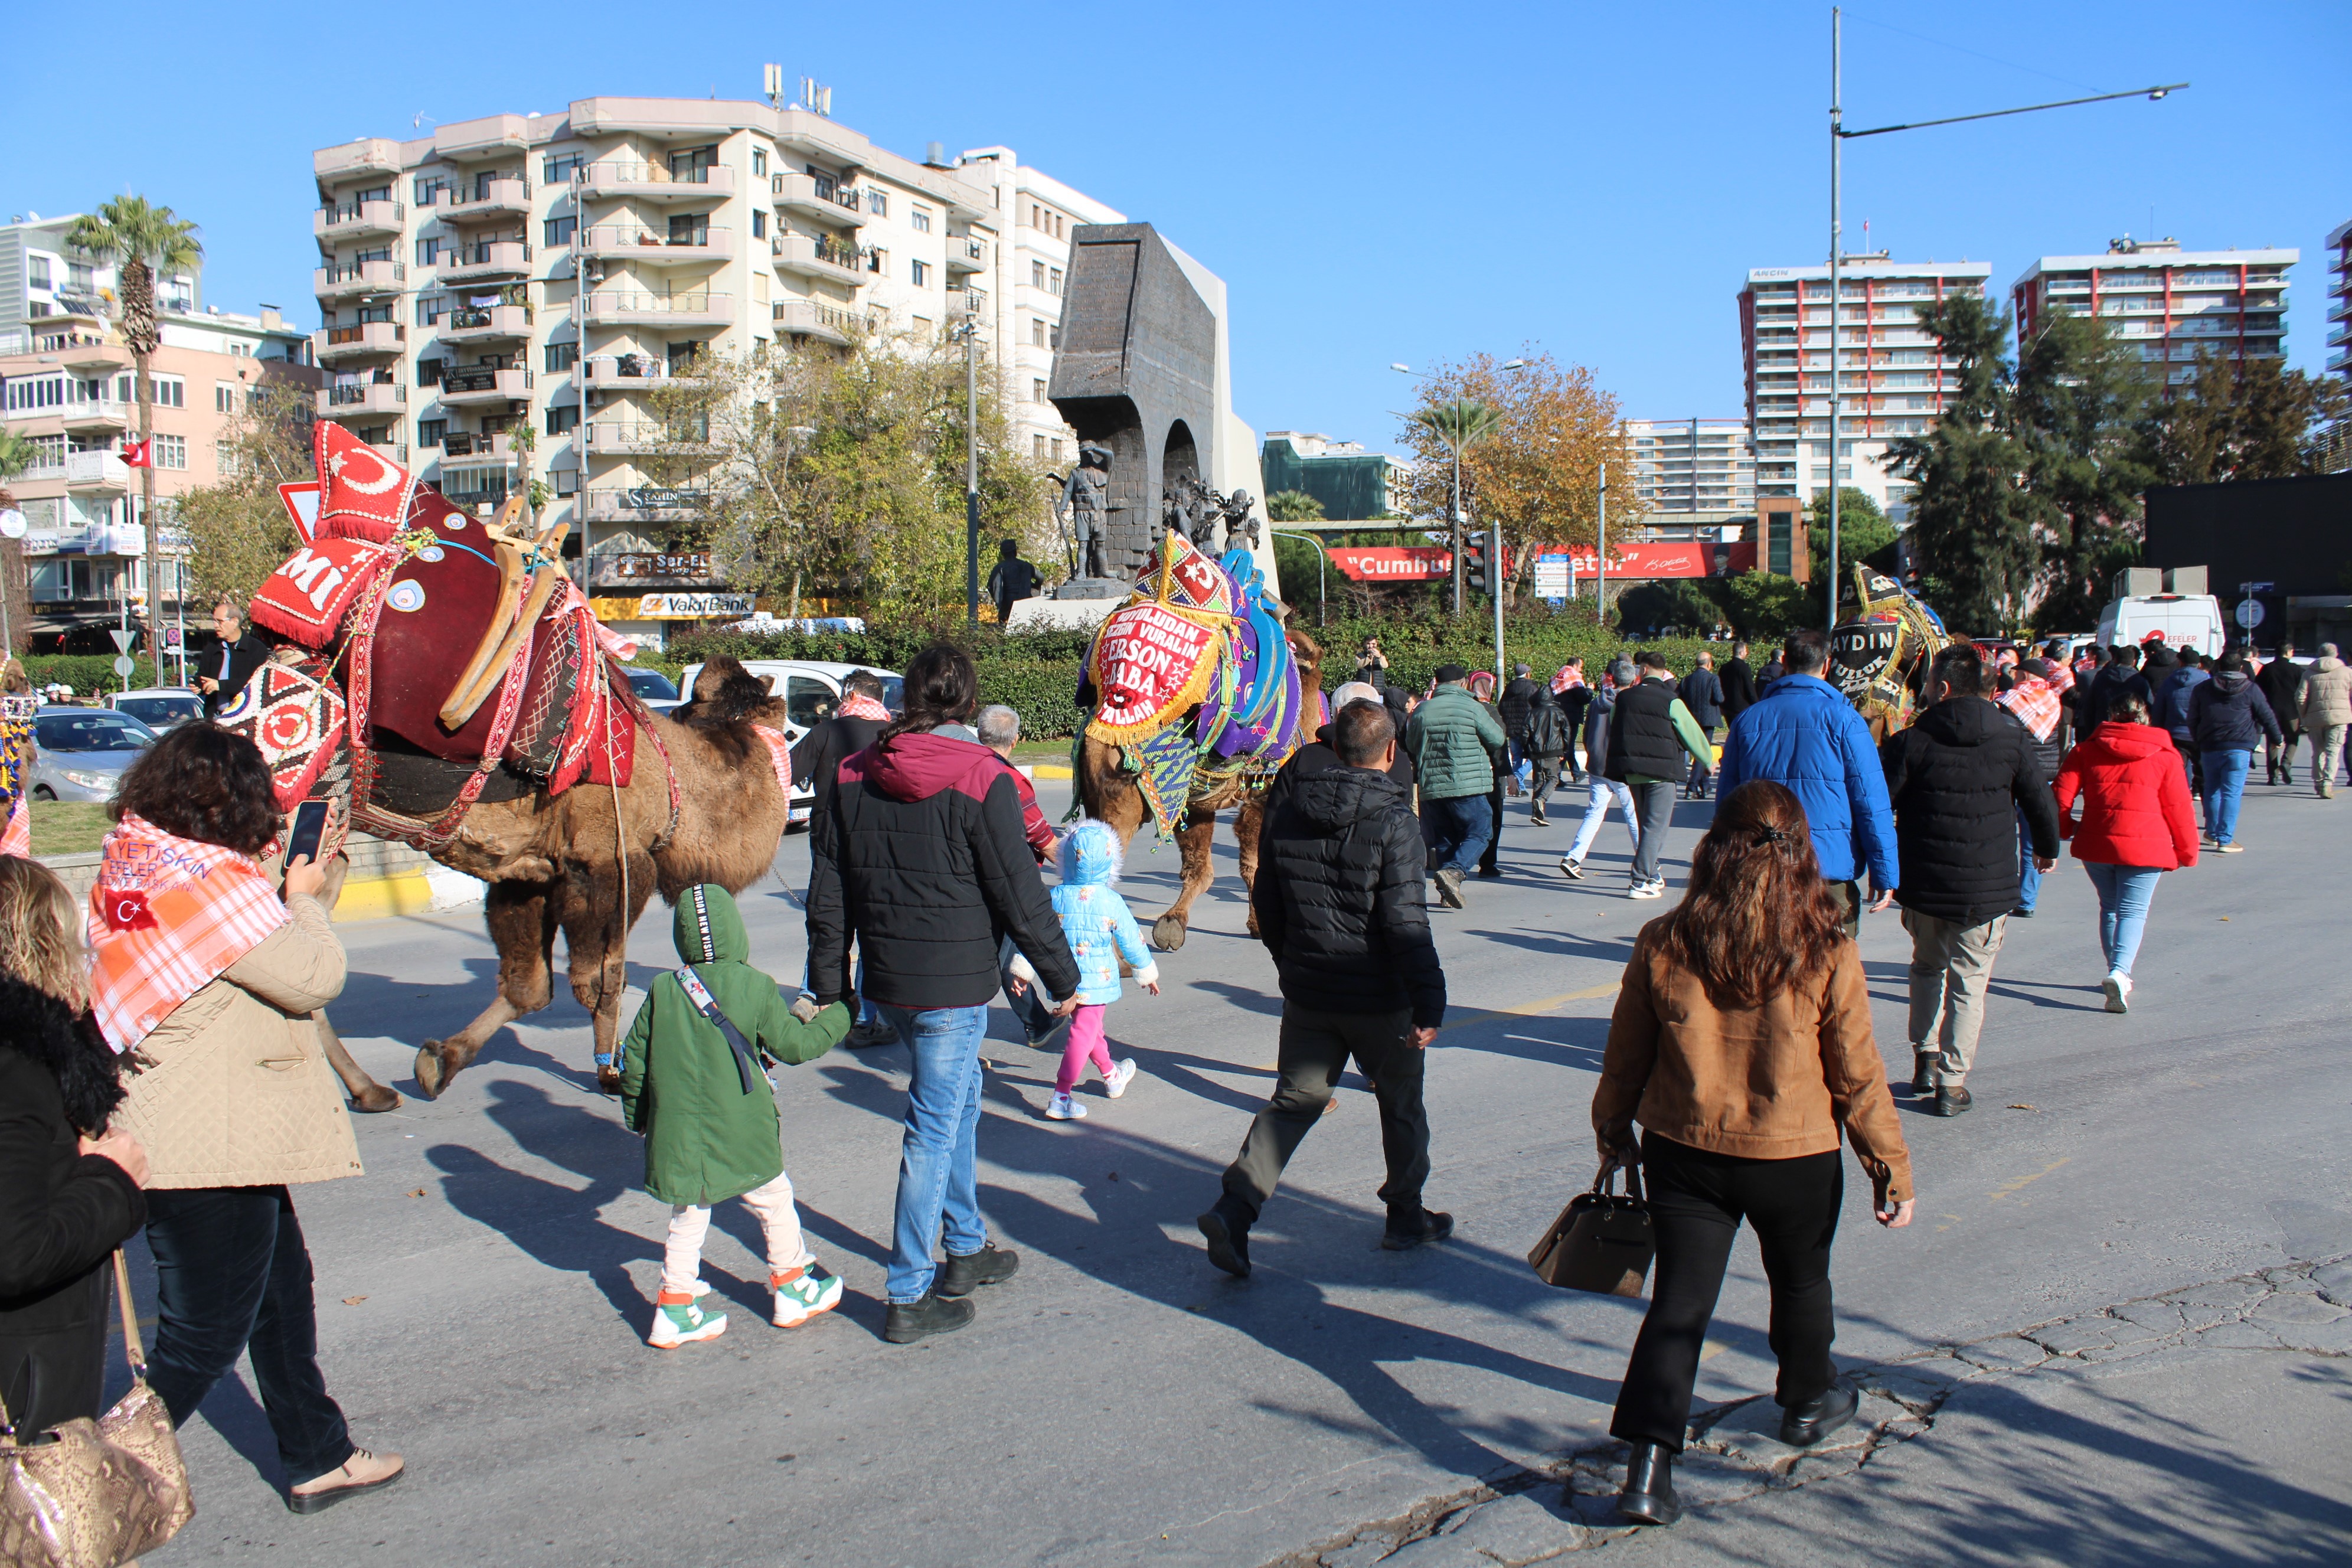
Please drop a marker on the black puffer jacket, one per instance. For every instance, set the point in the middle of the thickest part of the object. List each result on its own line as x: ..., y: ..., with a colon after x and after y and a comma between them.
x: 61, y: 1211
x: 2228, y: 713
x: 1547, y: 734
x: 2281, y: 682
x: 1316, y: 758
x: 1956, y: 779
x: 1520, y: 699
x: 816, y: 761
x: 1339, y: 899
x: 923, y: 859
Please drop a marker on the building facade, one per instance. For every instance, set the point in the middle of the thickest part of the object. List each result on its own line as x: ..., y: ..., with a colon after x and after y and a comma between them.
x: 1893, y: 379
x: 2339, y: 300
x: 1686, y: 466
x: 552, y: 270
x: 52, y: 295
x: 2173, y: 305
x: 1350, y: 481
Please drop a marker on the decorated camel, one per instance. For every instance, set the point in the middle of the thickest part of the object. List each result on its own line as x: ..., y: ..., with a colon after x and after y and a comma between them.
x: 1197, y: 694
x: 455, y: 692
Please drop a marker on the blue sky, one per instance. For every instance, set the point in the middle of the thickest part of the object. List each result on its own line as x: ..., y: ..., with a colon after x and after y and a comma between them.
x: 1375, y: 181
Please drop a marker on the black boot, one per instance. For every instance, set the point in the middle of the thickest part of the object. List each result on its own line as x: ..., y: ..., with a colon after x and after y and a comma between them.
x: 1649, y: 1495
x: 988, y: 1265
x: 1415, y: 1227
x: 1802, y: 1426
x: 1227, y: 1234
x: 934, y: 1314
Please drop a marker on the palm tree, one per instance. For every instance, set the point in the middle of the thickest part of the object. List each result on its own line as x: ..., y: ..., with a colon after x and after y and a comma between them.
x: 1293, y: 506
x: 1460, y: 423
x: 141, y: 239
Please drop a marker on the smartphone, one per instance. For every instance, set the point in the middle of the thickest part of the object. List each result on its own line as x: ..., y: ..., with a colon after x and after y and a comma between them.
x: 310, y: 827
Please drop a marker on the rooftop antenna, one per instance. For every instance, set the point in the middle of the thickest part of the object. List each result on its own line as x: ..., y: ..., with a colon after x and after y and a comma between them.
x: 418, y: 123
x: 771, y: 82
x: 816, y: 97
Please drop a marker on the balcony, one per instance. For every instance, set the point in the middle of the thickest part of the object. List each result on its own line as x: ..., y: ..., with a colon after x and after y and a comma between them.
x: 356, y: 399
x: 485, y: 323
x: 98, y: 413
x: 655, y: 183
x: 96, y: 471
x: 645, y: 503
x: 816, y: 319
x: 358, y: 219
x: 468, y: 450
x: 824, y: 200
x: 467, y: 388
x: 86, y: 352
x: 368, y: 155
x: 506, y: 197
x: 623, y: 307
x: 643, y: 247
x: 491, y: 258
x: 357, y: 277
x: 966, y: 256
x: 812, y: 258
x: 616, y: 437
x: 633, y: 372
x: 338, y: 345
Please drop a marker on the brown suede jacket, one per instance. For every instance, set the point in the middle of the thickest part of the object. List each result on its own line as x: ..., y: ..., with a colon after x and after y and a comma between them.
x: 1769, y: 1082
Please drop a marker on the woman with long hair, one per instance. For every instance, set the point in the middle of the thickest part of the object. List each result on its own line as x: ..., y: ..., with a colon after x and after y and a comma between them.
x: 2138, y: 823
x: 1742, y: 1045
x: 201, y: 970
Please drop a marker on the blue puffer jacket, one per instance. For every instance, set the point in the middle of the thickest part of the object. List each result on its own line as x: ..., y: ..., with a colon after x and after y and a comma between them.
x: 1803, y: 733
x: 1096, y: 921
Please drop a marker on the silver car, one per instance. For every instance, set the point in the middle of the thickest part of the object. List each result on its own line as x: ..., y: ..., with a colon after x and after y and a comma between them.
x: 84, y: 750
x: 160, y: 708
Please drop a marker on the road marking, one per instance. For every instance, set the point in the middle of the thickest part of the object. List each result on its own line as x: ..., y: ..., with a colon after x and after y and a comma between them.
x: 2001, y: 1192
x: 1711, y: 1348
x: 1536, y: 1008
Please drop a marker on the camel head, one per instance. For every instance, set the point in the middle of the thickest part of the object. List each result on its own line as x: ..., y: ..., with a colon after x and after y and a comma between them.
x: 726, y: 693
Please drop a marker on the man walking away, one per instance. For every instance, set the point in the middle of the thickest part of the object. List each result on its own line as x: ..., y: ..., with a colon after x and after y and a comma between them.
x: 1774, y: 668
x: 2282, y: 680
x: 856, y: 725
x: 1957, y: 777
x: 2118, y: 675
x: 1702, y: 693
x: 1606, y: 791
x: 2173, y: 694
x: 2034, y: 701
x: 1804, y: 735
x: 2326, y: 709
x: 1546, y: 742
x: 1011, y: 580
x: 2228, y: 719
x: 1451, y: 739
x: 1649, y: 736
x: 1572, y: 697
x: 1317, y: 755
x: 1518, y: 702
x: 1339, y: 905
x: 1738, y: 677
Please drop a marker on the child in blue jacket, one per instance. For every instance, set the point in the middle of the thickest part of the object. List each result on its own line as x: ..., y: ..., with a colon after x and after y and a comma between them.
x: 1100, y: 930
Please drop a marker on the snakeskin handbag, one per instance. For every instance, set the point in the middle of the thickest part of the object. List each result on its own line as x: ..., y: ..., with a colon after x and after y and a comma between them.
x: 94, y: 1494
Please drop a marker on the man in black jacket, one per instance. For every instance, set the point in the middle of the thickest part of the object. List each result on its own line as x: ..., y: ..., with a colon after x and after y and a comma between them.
x: 2118, y: 675
x: 1738, y: 677
x: 1517, y: 703
x: 1957, y: 778
x: 2281, y: 682
x: 241, y: 653
x: 923, y: 860
x: 1319, y: 756
x: 1339, y: 900
x: 816, y: 761
x: 1573, y: 699
x: 1011, y: 580
x: 1702, y: 693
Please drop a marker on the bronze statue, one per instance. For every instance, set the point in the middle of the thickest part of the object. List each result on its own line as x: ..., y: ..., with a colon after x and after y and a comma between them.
x: 1083, y: 510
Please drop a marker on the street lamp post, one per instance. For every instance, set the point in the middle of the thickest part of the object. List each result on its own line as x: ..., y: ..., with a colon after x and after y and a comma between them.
x: 969, y: 332
x: 1322, y: 557
x: 1839, y: 137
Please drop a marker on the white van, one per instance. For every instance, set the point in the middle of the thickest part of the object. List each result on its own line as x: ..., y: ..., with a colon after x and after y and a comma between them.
x: 811, y: 691
x: 2187, y: 620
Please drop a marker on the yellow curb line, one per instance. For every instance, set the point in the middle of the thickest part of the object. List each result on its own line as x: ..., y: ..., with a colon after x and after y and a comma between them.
x: 1538, y: 1007
x: 405, y: 893
x: 1049, y: 771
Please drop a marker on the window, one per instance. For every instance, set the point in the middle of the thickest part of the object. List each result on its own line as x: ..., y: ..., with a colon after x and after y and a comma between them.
x: 878, y: 201
x: 430, y: 432
x: 1056, y: 287
x: 692, y: 166
x: 429, y: 372
x: 559, y: 230
x: 920, y: 271
x: 240, y: 350
x: 758, y: 160
x: 1036, y: 391
x: 1037, y: 332
x: 430, y: 309
x: 381, y: 253
x: 224, y: 397
x: 558, y: 167
x: 224, y: 458
x: 1037, y: 447
x: 171, y: 451
x: 428, y: 251
x: 1056, y: 445
x: 430, y: 188
x: 921, y: 218
x: 1036, y: 275
x: 26, y: 393
x: 367, y: 313
x: 561, y: 356
x: 171, y: 392
x: 373, y: 193
x: 758, y: 224
x: 38, y: 272
x: 691, y: 228
x: 567, y: 481
x: 561, y: 417
x: 81, y: 277
x: 876, y: 260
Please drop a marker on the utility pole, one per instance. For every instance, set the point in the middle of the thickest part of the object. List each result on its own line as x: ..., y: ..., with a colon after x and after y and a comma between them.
x: 1600, y: 556
x: 970, y: 329
x: 1837, y: 248
x: 1456, y: 519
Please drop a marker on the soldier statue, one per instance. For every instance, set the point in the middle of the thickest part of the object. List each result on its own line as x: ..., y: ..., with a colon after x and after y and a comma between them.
x: 1082, y: 509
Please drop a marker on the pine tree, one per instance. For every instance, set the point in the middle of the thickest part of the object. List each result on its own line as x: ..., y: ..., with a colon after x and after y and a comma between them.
x: 2078, y: 395
x: 2252, y: 419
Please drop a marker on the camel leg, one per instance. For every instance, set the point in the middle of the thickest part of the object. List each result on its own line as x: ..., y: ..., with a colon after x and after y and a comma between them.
x: 365, y: 1092
x: 1194, y: 841
x: 596, y: 937
x: 522, y: 927
x: 1247, y: 824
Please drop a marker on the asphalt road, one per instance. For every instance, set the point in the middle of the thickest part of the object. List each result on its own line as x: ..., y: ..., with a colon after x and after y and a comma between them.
x: 484, y: 1288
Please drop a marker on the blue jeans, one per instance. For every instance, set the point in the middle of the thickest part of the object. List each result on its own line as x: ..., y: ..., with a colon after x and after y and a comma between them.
x: 2225, y: 786
x: 1460, y: 828
x: 2124, y: 892
x: 1033, y: 1013
x: 936, y: 1179
x: 2028, y: 875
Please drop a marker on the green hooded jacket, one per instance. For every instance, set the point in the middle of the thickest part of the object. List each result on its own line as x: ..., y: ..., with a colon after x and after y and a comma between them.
x: 1448, y: 739
x: 706, y: 1138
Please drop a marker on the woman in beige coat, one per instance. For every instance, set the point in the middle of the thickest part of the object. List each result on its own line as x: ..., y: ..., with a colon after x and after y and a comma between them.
x: 198, y: 968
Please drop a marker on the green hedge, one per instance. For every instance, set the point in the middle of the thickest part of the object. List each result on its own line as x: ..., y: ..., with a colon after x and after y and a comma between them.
x: 85, y: 672
x: 1037, y: 673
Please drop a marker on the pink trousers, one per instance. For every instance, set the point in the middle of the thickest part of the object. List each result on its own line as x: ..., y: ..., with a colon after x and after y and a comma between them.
x: 1085, y: 1044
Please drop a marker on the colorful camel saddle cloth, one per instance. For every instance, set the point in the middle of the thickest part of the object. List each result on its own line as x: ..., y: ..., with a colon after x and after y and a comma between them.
x: 1158, y: 656
x: 17, y: 710
x: 296, y: 717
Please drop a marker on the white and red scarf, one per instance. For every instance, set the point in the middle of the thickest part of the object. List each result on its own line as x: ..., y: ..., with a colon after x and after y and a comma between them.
x: 167, y: 916
x: 2034, y: 701
x: 857, y: 705
x: 1565, y: 680
x: 780, y: 755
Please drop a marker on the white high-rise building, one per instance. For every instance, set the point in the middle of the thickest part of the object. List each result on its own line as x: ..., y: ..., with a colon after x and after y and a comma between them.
x: 2172, y: 305
x: 1893, y: 381
x: 1690, y: 466
x: 2339, y: 294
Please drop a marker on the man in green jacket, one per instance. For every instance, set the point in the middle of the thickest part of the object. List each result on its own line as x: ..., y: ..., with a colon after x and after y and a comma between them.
x: 1451, y: 739
x: 694, y: 1085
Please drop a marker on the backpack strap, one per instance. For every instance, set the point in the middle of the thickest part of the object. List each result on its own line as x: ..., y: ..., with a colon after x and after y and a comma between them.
x: 747, y: 1061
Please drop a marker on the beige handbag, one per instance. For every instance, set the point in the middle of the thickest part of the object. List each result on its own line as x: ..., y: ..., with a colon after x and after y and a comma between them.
x: 94, y: 1494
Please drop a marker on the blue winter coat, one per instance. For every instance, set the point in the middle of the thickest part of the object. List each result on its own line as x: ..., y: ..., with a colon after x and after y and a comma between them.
x: 1096, y: 921
x: 1803, y: 733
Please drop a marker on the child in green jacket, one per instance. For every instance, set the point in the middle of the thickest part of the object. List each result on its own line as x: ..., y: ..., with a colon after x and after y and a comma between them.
x: 696, y: 1090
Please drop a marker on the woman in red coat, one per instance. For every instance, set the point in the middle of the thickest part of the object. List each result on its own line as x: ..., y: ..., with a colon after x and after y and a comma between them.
x: 2136, y: 825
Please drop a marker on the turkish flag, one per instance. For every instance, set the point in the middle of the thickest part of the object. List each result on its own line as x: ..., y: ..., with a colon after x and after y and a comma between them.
x: 134, y: 455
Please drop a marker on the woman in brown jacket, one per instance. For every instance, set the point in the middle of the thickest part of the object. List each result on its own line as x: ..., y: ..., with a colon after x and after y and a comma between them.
x: 1741, y: 1043
x: 199, y: 968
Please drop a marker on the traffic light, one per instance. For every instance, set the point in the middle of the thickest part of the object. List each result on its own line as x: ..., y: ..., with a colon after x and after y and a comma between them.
x: 1480, y: 569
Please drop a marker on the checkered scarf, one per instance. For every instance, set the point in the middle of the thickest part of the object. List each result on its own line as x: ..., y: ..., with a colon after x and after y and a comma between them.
x: 857, y: 705
x: 166, y: 917
x: 2034, y: 701
x: 780, y: 754
x: 1566, y: 678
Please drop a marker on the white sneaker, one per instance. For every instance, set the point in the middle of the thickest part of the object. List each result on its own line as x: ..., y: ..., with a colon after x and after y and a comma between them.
x: 682, y: 1323
x: 1115, y: 1084
x: 803, y: 1292
x: 1647, y: 890
x: 1063, y: 1108
x: 2117, y: 986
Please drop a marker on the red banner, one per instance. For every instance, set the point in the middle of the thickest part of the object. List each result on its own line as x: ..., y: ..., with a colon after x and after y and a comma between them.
x: 1396, y: 562
x: 1668, y: 558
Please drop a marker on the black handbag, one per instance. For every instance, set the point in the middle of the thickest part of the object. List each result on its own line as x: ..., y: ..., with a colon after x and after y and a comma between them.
x: 1602, y: 1242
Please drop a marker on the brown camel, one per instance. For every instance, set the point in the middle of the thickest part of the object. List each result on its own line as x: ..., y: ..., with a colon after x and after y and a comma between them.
x: 554, y: 864
x: 1108, y: 791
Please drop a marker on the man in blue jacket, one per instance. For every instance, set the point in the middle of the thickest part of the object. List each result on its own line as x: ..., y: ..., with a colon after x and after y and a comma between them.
x: 1804, y: 735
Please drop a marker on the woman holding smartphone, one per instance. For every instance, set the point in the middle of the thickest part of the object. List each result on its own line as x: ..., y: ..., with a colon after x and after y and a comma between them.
x: 208, y: 980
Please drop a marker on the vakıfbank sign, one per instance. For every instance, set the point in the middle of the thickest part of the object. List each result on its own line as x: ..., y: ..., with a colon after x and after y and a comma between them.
x: 693, y: 606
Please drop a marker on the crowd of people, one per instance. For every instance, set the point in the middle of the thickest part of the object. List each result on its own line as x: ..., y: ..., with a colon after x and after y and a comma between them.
x: 159, y: 1064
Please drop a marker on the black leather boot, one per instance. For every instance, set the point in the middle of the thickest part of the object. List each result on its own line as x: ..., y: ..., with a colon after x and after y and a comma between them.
x: 1649, y: 1495
x: 1802, y: 1426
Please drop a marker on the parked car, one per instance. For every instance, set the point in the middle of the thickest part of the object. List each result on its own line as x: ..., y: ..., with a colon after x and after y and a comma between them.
x: 653, y: 688
x: 83, y: 752
x: 810, y: 690
x: 159, y: 707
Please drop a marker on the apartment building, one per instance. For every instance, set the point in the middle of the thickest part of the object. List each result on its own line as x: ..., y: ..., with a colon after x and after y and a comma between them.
x: 1693, y: 466
x: 2339, y: 295
x: 1893, y: 381
x: 1350, y: 481
x: 551, y: 270
x: 2172, y: 305
x: 67, y: 386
